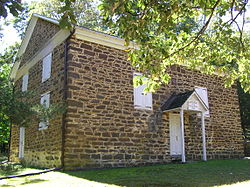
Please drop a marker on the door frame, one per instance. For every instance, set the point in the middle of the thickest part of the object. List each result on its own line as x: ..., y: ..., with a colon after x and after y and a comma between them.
x: 170, y: 137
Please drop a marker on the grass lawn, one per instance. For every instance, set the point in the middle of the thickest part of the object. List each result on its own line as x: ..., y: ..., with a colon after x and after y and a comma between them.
x: 211, y: 173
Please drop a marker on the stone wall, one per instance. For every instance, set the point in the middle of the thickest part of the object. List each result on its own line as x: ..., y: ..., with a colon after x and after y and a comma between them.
x: 43, y: 147
x: 14, y: 144
x: 42, y: 33
x: 103, y: 129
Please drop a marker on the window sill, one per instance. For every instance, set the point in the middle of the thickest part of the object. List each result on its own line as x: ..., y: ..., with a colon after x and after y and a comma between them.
x: 43, y: 128
x: 142, y: 108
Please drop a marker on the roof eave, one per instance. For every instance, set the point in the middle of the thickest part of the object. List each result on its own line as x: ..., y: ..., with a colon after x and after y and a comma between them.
x: 102, y: 38
x: 173, y: 109
x: 199, y: 98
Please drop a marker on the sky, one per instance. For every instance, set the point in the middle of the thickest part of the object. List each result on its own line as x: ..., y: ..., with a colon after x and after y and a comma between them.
x: 11, y: 36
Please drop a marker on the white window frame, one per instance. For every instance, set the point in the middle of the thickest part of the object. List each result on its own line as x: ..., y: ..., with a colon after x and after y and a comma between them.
x: 46, y: 72
x: 25, y: 81
x: 141, y: 100
x: 45, y: 100
x: 204, y: 97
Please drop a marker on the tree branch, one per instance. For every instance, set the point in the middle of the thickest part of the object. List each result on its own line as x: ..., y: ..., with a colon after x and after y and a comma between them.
x: 234, y: 19
x: 202, y: 30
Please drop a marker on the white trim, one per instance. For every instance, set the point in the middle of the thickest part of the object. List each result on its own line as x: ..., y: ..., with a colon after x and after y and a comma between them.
x: 142, y: 101
x: 80, y: 33
x: 23, y: 46
x: 173, y: 109
x: 51, y: 20
x: 142, y: 108
x: 179, y: 108
x: 103, y: 39
x: 44, y: 97
x: 203, y: 136
x: 199, y: 98
x: 183, y: 156
x: 198, y: 87
x: 25, y: 82
x: 25, y: 41
x: 175, y: 148
x: 27, y: 36
x: 48, y: 92
x: 49, y: 46
x: 46, y: 70
x: 21, y: 142
x: 43, y: 125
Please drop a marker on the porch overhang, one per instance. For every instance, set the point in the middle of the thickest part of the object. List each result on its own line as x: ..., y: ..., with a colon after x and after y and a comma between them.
x: 192, y: 102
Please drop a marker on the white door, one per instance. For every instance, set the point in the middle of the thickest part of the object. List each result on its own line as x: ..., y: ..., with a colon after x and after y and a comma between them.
x: 21, y: 142
x: 175, y: 134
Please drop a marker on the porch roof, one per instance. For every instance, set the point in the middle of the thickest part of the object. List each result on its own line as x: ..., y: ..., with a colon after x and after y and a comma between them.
x: 176, y: 101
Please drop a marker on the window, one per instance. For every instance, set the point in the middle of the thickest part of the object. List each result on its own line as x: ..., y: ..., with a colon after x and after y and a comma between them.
x: 142, y: 100
x: 202, y: 92
x: 44, y: 101
x: 25, y: 82
x: 46, y: 67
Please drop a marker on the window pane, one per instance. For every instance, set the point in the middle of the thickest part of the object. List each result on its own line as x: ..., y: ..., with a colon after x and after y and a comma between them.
x: 46, y: 67
x: 25, y: 82
x: 142, y: 100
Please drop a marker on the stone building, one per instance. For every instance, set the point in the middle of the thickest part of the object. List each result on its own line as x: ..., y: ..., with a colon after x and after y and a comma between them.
x: 108, y: 122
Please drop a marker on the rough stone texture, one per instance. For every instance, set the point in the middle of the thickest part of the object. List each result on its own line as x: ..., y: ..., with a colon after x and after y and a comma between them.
x: 42, y: 33
x: 43, y: 147
x: 14, y: 146
x: 103, y: 129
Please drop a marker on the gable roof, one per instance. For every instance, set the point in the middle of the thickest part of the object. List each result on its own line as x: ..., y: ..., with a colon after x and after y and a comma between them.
x: 26, y: 39
x: 80, y: 32
x: 30, y: 29
x: 177, y: 101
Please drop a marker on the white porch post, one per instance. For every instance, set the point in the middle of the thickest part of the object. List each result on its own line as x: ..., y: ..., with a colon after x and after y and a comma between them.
x: 183, y: 156
x: 203, y: 136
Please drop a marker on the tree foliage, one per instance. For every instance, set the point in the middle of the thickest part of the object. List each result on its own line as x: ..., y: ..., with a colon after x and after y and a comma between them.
x: 20, y: 22
x: 208, y: 35
x: 17, y: 107
x: 6, y: 60
x: 244, y: 99
x: 81, y: 12
x: 12, y: 6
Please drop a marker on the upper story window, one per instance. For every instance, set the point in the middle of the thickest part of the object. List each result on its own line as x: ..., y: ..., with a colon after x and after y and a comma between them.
x: 45, y: 100
x: 25, y: 82
x: 202, y: 92
x: 141, y: 99
x: 46, y: 67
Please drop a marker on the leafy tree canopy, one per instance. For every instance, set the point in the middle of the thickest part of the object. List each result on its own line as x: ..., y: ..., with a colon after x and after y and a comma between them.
x: 12, y: 6
x: 198, y: 34
x: 83, y: 12
x: 16, y: 107
x: 6, y: 59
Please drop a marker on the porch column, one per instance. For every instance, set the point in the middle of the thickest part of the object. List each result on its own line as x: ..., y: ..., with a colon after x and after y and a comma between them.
x: 183, y: 156
x: 203, y: 136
